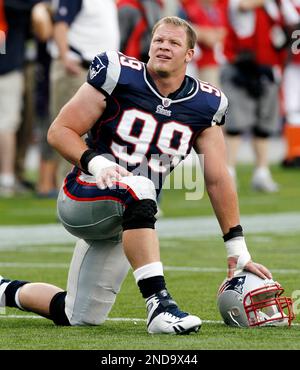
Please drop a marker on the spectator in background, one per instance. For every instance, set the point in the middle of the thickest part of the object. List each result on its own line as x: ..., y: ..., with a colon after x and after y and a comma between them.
x: 291, y: 94
x: 136, y: 20
x: 17, y: 17
x: 24, y: 134
x: 82, y: 29
x: 208, y: 20
x: 256, y: 48
x: 34, y: 79
x: 43, y: 29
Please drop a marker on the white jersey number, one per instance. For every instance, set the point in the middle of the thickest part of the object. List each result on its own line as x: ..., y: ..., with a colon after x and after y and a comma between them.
x: 142, y: 142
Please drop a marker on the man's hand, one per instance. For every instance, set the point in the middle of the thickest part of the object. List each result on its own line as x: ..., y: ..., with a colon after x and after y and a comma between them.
x: 104, y: 170
x: 253, y: 267
x: 238, y: 256
x: 107, y: 176
x: 72, y: 65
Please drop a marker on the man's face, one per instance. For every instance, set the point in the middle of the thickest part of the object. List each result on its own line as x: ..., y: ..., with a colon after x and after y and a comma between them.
x: 169, y: 52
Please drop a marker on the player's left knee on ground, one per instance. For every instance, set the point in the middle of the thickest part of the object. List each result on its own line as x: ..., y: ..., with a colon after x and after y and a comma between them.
x: 96, y: 310
x: 97, y: 271
x: 141, y: 212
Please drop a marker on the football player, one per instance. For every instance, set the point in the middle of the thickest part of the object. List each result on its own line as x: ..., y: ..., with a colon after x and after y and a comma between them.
x: 136, y: 116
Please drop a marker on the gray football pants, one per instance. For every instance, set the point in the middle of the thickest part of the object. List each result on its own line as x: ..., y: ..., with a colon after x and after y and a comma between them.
x: 99, y: 264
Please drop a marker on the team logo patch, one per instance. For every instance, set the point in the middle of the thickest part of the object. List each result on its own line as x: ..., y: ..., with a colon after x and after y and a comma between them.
x: 236, y: 284
x: 96, y: 67
x: 161, y: 110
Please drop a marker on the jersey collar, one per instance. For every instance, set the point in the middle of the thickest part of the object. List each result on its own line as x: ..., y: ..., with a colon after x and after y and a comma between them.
x: 187, y: 90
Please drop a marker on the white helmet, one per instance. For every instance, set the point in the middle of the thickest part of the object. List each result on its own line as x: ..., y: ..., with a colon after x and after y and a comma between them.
x: 248, y: 300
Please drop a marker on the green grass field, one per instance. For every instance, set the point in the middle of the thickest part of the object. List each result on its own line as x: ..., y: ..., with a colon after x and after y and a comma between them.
x: 194, y: 287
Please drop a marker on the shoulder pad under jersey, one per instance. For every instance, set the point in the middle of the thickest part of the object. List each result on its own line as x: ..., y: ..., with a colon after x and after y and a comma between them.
x: 104, y: 72
x: 219, y: 117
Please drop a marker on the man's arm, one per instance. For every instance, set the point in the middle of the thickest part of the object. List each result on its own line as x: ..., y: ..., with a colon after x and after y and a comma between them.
x: 224, y: 200
x: 64, y: 16
x: 74, y: 120
x: 41, y: 21
x: 69, y: 60
x: 60, y: 35
x: 219, y: 184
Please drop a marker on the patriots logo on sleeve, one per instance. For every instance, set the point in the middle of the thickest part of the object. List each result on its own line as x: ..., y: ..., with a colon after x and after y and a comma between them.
x: 96, y: 67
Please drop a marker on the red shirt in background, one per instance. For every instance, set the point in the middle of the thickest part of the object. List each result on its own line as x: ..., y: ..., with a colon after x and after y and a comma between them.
x: 135, y: 38
x: 208, y: 16
x: 259, y: 42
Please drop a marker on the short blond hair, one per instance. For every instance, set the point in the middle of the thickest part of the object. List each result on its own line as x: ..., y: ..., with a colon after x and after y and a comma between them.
x: 179, y: 22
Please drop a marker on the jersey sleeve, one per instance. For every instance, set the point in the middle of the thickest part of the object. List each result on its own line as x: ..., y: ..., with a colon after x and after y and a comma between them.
x: 219, y: 117
x: 104, y: 72
x: 67, y: 11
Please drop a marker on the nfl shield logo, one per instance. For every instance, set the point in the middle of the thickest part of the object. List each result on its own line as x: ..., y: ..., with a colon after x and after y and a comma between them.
x: 166, y: 102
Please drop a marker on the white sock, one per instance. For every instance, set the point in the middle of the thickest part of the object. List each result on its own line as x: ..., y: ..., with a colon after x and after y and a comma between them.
x: 149, y: 270
x: 3, y: 286
x: 17, y: 300
x: 262, y: 171
x: 7, y: 180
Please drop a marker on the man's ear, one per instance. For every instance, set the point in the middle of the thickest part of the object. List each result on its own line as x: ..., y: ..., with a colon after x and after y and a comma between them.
x: 189, y: 55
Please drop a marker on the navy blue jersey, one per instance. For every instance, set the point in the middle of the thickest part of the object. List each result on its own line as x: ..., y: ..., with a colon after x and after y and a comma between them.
x: 145, y: 132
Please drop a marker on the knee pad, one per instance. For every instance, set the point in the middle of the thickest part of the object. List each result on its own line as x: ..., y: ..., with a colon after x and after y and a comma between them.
x: 57, y: 309
x: 141, y: 186
x: 140, y: 214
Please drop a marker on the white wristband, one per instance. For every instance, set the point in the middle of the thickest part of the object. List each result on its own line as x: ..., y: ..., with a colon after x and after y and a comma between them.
x: 236, y: 247
x: 99, y: 163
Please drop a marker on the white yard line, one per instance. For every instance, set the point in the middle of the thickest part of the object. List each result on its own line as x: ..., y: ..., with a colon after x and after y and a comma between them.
x: 193, y: 227
x: 40, y: 265
x: 121, y: 319
x: 124, y: 319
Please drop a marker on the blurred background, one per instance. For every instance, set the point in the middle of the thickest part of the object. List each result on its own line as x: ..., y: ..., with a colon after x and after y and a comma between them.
x: 249, y: 49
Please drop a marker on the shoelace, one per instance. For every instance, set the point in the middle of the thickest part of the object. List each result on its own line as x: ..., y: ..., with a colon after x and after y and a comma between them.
x: 175, y: 311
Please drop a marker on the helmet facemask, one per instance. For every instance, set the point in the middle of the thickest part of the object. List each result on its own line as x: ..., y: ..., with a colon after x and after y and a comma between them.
x: 265, y: 307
